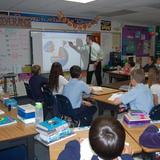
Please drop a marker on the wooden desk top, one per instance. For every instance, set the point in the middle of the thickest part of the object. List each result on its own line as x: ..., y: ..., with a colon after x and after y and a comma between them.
x: 56, y: 148
x: 135, y: 133
x: 105, y: 91
x: 104, y: 98
x: 17, y: 130
x: 121, y: 72
x: 117, y: 85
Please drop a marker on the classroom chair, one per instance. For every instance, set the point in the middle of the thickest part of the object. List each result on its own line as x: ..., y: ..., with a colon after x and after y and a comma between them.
x: 13, y: 82
x: 28, y: 90
x: 49, y: 106
x: 66, y: 111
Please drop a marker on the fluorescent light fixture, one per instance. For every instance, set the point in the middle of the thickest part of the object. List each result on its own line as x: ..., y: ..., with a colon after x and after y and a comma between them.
x: 80, y: 1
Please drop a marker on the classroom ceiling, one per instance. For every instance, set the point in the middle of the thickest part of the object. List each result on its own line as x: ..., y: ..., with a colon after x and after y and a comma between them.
x: 134, y: 11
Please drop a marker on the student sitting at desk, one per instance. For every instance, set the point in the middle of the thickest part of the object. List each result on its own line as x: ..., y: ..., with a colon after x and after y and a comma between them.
x: 140, y: 96
x: 56, y: 79
x: 127, y: 68
x: 36, y: 82
x: 74, y: 90
x: 106, y: 142
x: 150, y: 64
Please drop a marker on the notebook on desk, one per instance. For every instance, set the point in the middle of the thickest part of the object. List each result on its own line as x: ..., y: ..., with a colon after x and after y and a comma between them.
x: 124, y: 87
x: 7, y: 120
x: 114, y: 96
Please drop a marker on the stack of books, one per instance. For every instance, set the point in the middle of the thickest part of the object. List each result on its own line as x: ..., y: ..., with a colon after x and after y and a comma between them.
x: 10, y: 102
x: 136, y: 118
x: 53, y: 130
x: 26, y: 113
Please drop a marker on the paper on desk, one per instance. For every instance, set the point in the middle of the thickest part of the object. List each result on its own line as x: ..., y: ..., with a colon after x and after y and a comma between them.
x: 91, y: 67
x: 96, y: 89
x: 1, y: 112
x: 114, y: 96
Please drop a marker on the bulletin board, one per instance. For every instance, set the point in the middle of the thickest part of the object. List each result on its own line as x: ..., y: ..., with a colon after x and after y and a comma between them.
x: 136, y: 41
x: 14, y: 49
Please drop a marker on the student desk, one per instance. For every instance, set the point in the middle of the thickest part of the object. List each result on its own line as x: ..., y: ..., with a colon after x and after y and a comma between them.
x: 135, y: 133
x: 103, y: 103
x: 105, y: 91
x: 53, y: 150
x: 117, y: 85
x: 17, y: 134
x: 118, y: 75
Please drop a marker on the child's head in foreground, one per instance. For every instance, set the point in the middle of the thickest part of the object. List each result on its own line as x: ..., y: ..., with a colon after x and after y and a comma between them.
x: 107, y: 137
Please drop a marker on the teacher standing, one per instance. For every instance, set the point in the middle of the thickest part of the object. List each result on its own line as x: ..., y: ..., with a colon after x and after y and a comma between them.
x: 95, y: 57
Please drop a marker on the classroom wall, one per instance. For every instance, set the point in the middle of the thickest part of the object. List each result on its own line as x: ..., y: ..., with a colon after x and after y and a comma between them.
x: 108, y: 39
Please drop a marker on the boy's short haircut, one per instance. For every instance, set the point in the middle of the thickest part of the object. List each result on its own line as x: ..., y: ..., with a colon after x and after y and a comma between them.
x: 36, y: 69
x: 91, y: 37
x: 75, y: 71
x: 107, y: 137
x: 138, y: 75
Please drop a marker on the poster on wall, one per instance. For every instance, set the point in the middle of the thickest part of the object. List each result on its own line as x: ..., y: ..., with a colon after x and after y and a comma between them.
x: 136, y: 41
x: 105, y: 25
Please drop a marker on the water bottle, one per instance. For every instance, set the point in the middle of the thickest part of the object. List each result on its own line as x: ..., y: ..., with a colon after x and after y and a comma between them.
x: 39, y: 113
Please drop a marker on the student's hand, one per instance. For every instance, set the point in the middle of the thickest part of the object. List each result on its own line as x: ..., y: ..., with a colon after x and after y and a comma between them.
x: 127, y: 149
x: 95, y: 64
x: 87, y: 103
x: 117, y: 101
x: 71, y: 44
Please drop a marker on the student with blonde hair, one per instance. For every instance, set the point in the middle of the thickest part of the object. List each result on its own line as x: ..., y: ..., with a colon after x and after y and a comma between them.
x: 140, y: 96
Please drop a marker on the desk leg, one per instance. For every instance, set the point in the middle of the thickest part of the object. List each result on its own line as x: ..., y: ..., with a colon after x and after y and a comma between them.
x: 30, y: 148
x: 14, y: 86
x: 110, y: 79
x: 5, y: 84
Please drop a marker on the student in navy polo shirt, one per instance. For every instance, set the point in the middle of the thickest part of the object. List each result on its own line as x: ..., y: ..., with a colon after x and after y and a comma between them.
x: 36, y: 82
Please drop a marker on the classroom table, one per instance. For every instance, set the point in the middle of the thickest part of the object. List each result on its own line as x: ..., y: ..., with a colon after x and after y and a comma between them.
x: 117, y: 85
x: 103, y: 103
x: 104, y: 91
x: 53, y: 150
x: 135, y: 133
x: 17, y: 134
x: 118, y: 75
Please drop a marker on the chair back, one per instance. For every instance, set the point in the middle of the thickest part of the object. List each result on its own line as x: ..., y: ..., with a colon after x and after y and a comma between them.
x: 28, y: 90
x: 50, y: 103
x: 64, y: 106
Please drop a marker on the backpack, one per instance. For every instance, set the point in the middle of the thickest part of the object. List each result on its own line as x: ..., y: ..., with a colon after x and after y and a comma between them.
x: 155, y: 113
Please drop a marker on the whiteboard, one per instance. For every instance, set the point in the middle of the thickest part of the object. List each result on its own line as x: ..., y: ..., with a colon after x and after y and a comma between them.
x: 50, y: 47
x: 14, y: 49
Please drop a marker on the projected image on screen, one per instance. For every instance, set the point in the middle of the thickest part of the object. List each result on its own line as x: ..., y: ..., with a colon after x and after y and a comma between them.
x: 55, y: 48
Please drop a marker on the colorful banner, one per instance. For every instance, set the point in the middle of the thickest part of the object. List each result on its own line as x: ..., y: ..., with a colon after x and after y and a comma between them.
x: 14, y: 21
x: 48, y: 18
